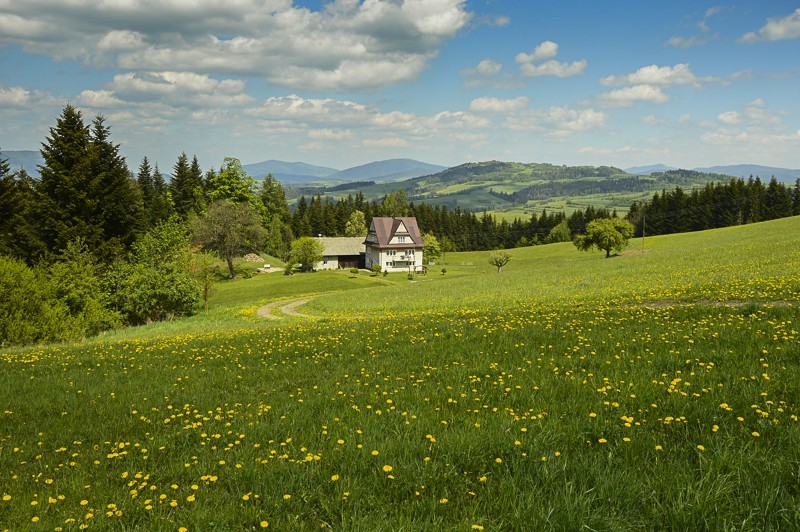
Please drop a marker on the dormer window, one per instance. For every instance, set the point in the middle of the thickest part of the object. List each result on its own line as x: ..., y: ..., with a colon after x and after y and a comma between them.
x: 401, y: 239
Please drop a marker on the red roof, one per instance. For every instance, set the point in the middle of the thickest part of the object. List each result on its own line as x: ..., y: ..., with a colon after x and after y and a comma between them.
x: 385, y: 228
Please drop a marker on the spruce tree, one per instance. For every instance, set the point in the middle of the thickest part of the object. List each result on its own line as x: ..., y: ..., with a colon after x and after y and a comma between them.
x: 118, y: 206
x: 187, y: 187
x: 147, y: 187
x: 64, y: 190
x: 274, y: 199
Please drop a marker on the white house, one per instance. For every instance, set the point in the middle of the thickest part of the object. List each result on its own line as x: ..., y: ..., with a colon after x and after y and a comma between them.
x: 341, y: 253
x: 395, y: 244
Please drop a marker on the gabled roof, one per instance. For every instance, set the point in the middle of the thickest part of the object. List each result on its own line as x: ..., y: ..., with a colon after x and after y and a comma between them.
x: 385, y: 228
x: 342, y: 245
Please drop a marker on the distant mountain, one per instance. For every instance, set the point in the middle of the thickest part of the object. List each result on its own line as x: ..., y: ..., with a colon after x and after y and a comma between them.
x: 784, y: 175
x: 26, y: 159
x: 647, y: 170
x: 289, y: 172
x: 388, y: 170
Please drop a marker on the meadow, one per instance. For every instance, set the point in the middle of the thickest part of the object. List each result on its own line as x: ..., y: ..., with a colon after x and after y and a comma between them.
x: 654, y: 390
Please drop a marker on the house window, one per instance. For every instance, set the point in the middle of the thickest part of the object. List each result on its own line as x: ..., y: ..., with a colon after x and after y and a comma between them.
x: 401, y: 239
x: 391, y: 252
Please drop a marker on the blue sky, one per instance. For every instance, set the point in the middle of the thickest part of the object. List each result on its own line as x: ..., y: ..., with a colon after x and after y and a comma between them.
x: 346, y: 82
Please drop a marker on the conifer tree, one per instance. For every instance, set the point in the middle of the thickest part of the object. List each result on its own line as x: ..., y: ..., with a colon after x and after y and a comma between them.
x: 187, y: 187
x: 118, y: 206
x: 274, y: 199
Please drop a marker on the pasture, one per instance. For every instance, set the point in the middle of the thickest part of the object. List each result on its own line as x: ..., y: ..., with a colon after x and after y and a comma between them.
x: 651, y: 390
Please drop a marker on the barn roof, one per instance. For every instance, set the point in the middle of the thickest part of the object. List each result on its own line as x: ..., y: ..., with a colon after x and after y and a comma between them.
x: 340, y: 246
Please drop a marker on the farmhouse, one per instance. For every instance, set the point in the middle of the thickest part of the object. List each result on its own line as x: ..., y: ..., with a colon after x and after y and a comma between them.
x: 341, y: 253
x: 395, y: 244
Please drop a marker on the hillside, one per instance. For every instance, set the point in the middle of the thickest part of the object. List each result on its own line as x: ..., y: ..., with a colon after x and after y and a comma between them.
x: 569, y: 391
x: 286, y: 172
x: 388, y: 170
x: 519, y: 187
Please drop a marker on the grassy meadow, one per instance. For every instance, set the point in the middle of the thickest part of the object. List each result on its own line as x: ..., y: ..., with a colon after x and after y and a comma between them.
x: 659, y: 389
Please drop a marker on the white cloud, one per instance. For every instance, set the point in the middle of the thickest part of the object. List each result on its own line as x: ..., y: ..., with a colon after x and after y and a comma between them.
x: 776, y: 29
x: 347, y: 45
x: 176, y: 89
x: 546, y: 50
x: 730, y: 117
x: 497, y: 105
x: 557, y: 122
x: 488, y: 67
x: 20, y: 97
x: 680, y: 74
x: 531, y: 65
x: 627, y: 96
x: 554, y: 68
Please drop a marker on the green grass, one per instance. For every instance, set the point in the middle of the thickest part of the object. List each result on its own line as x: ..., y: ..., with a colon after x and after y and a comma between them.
x: 652, y: 391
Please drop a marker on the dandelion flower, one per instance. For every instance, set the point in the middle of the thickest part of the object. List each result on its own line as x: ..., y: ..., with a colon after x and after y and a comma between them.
x: 334, y: 478
x: 264, y: 524
x: 387, y: 468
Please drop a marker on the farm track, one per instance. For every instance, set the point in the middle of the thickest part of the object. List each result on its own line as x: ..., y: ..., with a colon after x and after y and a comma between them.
x: 286, y: 307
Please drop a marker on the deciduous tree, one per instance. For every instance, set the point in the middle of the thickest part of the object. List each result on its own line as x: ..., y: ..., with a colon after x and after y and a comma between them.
x: 307, y: 252
x: 229, y: 229
x: 605, y: 233
x: 499, y: 259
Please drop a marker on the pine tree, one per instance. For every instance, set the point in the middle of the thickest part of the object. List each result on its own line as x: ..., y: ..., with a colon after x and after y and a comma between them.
x: 147, y: 187
x: 274, y: 199
x: 118, y: 206
x: 16, y: 202
x: 187, y: 187
x: 64, y: 189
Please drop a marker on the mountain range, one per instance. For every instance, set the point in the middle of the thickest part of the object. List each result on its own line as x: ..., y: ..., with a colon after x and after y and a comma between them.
x: 394, y: 170
x: 784, y: 175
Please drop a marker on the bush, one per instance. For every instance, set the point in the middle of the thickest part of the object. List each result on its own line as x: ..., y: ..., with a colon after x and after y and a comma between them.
x: 354, y: 271
x: 29, y: 310
x: 143, y: 294
x: 376, y: 269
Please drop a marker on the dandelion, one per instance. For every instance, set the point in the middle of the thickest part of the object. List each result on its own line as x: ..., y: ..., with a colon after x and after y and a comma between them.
x: 443, y: 501
x: 498, y: 460
x: 701, y: 448
x: 334, y: 478
x: 602, y: 440
x: 286, y: 496
x: 756, y: 434
x: 264, y: 524
x: 387, y: 468
x: 375, y: 453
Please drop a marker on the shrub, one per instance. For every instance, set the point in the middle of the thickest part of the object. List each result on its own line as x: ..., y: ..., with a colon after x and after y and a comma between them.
x: 143, y: 294
x: 376, y: 269
x: 29, y: 310
x: 354, y: 271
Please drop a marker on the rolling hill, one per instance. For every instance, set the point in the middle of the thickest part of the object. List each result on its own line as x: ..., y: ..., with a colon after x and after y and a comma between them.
x: 785, y: 175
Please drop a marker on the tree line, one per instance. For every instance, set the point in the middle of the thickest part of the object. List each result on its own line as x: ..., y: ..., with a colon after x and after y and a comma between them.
x: 719, y: 204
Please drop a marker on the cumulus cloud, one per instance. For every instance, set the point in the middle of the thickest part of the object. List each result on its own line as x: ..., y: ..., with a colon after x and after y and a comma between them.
x: 776, y: 29
x: 20, y: 97
x: 554, y: 68
x: 546, y: 50
x: 680, y: 74
x: 497, y: 105
x: 753, y: 129
x: 557, y: 122
x: 532, y: 65
x: 627, y: 96
x: 347, y: 45
x: 176, y: 89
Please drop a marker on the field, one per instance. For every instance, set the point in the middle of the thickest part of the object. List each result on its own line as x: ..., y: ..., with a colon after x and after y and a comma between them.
x: 653, y: 390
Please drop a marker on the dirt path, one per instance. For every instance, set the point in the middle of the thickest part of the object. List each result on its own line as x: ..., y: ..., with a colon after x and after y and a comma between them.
x: 287, y: 307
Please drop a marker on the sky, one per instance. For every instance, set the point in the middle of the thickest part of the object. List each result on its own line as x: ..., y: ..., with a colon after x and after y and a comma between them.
x: 341, y: 83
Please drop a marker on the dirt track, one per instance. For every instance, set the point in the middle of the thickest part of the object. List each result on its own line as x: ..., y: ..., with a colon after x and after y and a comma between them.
x: 287, y: 307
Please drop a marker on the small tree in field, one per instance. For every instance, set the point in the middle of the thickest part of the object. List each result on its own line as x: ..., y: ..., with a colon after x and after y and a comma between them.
x: 354, y: 271
x: 605, y: 233
x: 306, y: 251
x: 499, y: 259
x: 376, y: 269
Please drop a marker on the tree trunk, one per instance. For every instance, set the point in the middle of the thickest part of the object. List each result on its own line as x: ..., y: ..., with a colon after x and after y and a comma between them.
x: 230, y: 267
x: 608, y: 253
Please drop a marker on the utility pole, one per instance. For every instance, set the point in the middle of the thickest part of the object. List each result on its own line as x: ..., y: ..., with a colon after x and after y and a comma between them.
x: 644, y: 224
